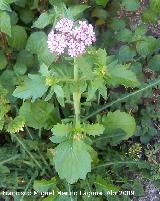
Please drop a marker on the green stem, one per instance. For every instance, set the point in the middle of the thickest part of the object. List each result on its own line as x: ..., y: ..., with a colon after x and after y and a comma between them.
x: 9, y: 159
x: 69, y: 190
x: 26, y: 149
x: 28, y: 185
x: 121, y: 99
x: 117, y: 162
x: 38, y: 150
x: 76, y: 95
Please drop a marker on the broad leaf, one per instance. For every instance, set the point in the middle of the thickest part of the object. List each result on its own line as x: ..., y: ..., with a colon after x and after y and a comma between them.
x: 117, y: 24
x: 39, y: 114
x: 119, y: 120
x: 26, y: 15
x: 5, y: 23
x: 154, y: 63
x: 16, y: 124
x: 125, y: 35
x: 20, y: 68
x: 59, y: 94
x: 4, y: 5
x: 72, y: 161
x: 131, y: 5
x: 35, y: 41
x: 26, y: 58
x: 102, y: 2
x: 120, y: 75
x: 146, y: 47
x: 101, y: 57
x: 97, y: 84
x: 37, y: 44
x: 150, y: 16
x: 61, y: 130
x: 18, y: 38
x: 33, y: 87
x: 77, y: 10
x: 126, y: 54
x: 105, y: 186
x: 94, y: 129
x: 3, y: 60
x: 44, y: 185
x: 2, y: 121
x: 44, y: 20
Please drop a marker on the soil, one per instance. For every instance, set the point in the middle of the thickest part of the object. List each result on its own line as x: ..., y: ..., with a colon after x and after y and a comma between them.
x: 151, y: 193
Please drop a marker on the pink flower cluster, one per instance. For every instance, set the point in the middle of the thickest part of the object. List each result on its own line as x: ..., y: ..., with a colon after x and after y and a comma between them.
x: 71, y: 39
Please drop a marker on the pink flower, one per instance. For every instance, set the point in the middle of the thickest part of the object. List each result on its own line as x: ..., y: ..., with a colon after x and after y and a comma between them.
x: 64, y: 25
x: 70, y: 39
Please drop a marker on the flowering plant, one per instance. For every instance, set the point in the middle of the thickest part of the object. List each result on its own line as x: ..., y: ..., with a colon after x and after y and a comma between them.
x: 72, y: 39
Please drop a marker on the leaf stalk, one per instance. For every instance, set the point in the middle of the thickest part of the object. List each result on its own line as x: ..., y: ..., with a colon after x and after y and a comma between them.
x: 76, y: 94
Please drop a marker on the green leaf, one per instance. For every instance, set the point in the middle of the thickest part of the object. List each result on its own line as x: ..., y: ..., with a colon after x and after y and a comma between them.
x: 136, y: 68
x: 60, y: 9
x: 101, y: 56
x: 8, y: 80
x: 59, y: 94
x: 125, y: 35
x: 39, y: 114
x: 131, y: 5
x: 85, y: 64
x: 146, y: 47
x: 18, y: 38
x: 97, y: 84
x: 26, y: 15
x: 94, y: 129
x: 150, y: 16
x: 16, y: 124
x: 21, y: 3
x: 155, y: 4
x: 154, y: 63
x: 138, y: 188
x: 117, y: 24
x: 37, y: 44
x: 3, y: 60
x: 102, y: 2
x: 116, y: 137
x: 119, y: 120
x: 13, y: 18
x: 4, y: 5
x: 44, y: 20
x: 4, y: 169
x: 33, y: 87
x: 61, y: 130
x: 126, y: 54
x: 5, y: 23
x: 103, y: 185
x: 1, y: 124
x: 35, y: 41
x: 76, y: 10
x: 26, y: 58
x: 72, y: 161
x: 51, y: 198
x: 100, y: 13
x: 20, y: 68
x: 44, y: 70
x: 44, y: 185
x: 120, y: 75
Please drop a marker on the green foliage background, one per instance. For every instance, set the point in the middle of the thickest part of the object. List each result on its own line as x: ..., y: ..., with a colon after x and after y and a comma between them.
x: 120, y: 99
